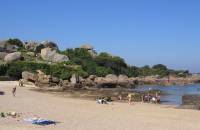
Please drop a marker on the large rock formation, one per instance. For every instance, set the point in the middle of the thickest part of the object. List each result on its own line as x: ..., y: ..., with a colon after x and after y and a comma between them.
x: 123, y: 81
x: 108, y: 81
x: 2, y: 46
x: 7, y: 47
x: 12, y: 57
x: 74, y: 79
x: 3, y: 55
x: 50, y: 44
x: 90, y: 49
x: 29, y: 76
x: 31, y: 45
x: 87, y: 46
x: 50, y: 55
x: 60, y: 58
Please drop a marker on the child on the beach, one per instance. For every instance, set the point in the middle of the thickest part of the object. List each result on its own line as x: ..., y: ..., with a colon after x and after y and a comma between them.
x: 130, y: 98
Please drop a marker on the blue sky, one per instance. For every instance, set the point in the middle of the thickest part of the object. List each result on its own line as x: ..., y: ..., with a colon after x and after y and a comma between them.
x: 141, y: 31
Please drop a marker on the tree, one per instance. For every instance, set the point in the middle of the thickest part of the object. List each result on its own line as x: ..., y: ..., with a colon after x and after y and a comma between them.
x: 160, y: 67
x: 160, y: 70
x: 145, y: 71
x: 102, y: 71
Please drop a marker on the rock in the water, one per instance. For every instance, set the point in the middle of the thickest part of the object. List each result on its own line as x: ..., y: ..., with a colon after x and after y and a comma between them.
x: 12, y: 57
x: 50, y: 55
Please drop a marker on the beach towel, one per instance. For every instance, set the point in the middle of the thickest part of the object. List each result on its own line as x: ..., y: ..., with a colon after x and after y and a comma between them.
x: 40, y: 121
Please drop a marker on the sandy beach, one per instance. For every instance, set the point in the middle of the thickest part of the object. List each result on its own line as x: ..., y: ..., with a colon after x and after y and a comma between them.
x: 77, y: 114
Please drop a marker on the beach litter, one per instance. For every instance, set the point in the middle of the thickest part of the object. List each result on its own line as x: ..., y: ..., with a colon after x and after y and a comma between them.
x: 10, y: 114
x: 40, y: 121
x: 2, y: 115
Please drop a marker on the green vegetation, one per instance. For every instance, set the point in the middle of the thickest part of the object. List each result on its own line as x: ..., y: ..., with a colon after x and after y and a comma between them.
x: 82, y: 63
x: 15, y: 42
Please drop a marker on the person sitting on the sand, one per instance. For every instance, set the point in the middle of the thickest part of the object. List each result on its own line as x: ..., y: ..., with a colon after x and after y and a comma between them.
x: 102, y: 100
x: 14, y: 91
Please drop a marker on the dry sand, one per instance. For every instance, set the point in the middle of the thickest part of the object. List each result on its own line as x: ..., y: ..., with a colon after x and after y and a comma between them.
x: 76, y: 114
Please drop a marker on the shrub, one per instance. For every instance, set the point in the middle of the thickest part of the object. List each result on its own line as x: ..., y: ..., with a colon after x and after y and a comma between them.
x: 14, y: 71
x: 16, y: 42
x: 3, y: 69
x: 102, y: 71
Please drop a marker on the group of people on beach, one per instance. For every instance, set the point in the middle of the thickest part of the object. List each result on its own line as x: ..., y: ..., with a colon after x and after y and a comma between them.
x: 144, y: 98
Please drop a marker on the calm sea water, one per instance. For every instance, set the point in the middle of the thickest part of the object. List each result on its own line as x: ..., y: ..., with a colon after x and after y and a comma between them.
x: 173, y: 94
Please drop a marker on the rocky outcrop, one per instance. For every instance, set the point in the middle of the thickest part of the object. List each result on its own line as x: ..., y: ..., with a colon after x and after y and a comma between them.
x: 50, y: 55
x: 12, y: 57
x: 50, y: 44
x: 108, y: 81
x: 87, y: 46
x: 59, y: 58
x: 7, y: 47
x: 29, y: 76
x: 123, y: 81
x: 115, y: 81
x: 74, y: 79
x: 190, y: 102
x: 47, y: 54
x: 31, y: 54
x: 31, y: 45
x: 2, y: 46
x: 89, y: 82
x: 90, y: 49
x: 3, y: 55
